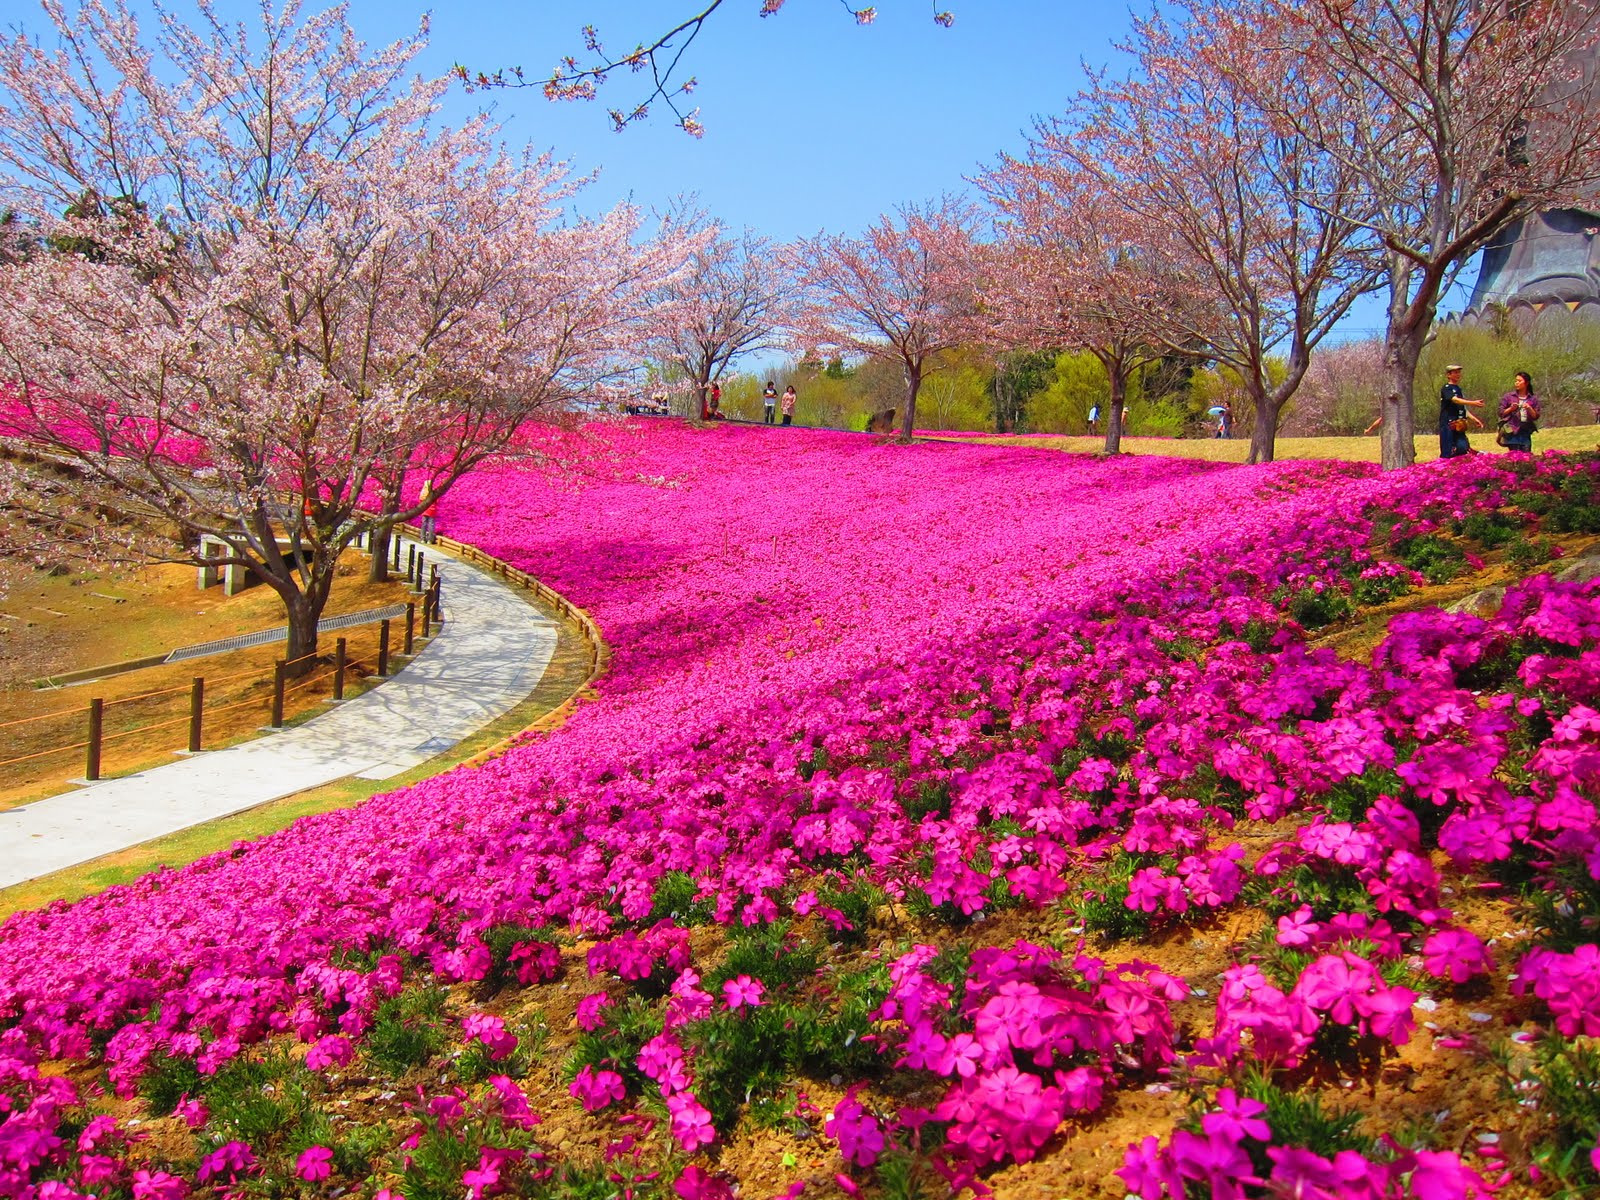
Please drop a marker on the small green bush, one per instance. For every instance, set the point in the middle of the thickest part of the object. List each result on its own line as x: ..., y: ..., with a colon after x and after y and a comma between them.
x: 1312, y: 608
x: 1438, y: 560
x: 407, y: 1030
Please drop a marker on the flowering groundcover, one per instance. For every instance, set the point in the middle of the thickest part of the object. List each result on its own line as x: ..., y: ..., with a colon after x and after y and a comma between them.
x: 947, y: 806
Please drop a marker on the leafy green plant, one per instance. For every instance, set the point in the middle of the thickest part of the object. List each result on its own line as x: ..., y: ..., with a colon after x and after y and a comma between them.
x: 1566, y: 1074
x: 269, y: 1102
x: 1527, y: 553
x: 1101, y: 904
x: 674, y: 899
x: 1298, y: 1119
x: 1379, y: 589
x: 168, y: 1080
x: 1438, y: 560
x: 1312, y: 608
x: 407, y: 1030
x: 1490, y: 529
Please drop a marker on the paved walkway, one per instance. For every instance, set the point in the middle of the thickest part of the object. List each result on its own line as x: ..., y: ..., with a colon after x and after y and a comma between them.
x: 492, y: 651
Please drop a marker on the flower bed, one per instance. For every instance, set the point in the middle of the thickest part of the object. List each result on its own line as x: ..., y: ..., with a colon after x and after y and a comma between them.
x: 969, y: 811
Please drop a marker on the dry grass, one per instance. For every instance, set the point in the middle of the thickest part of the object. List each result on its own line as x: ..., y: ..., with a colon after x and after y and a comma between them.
x: 56, y: 624
x: 1349, y: 449
x: 565, y: 676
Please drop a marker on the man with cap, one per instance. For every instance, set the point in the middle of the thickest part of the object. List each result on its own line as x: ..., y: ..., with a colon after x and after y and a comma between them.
x: 1453, y: 415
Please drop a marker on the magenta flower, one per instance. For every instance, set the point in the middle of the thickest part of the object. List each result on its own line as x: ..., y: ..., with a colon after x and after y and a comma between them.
x: 158, y: 1185
x: 1456, y: 955
x: 743, y: 991
x: 691, y: 1122
x: 226, y: 1163
x: 597, y: 1089
x: 329, y: 1051
x: 491, y: 1031
x: 314, y: 1163
x: 857, y: 1131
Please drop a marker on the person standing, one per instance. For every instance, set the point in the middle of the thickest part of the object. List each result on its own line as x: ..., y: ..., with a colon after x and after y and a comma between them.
x: 769, y: 400
x: 1225, y: 421
x: 430, y: 515
x: 1094, y: 418
x: 716, y: 402
x: 1519, y: 415
x: 1453, y: 415
x: 788, y: 404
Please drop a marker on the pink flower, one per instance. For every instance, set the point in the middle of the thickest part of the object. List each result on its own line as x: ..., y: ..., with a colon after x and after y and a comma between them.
x: 597, y: 1089
x: 1456, y: 954
x: 857, y: 1131
x: 158, y: 1185
x: 743, y: 991
x: 329, y: 1051
x: 691, y: 1123
x: 491, y: 1032
x: 314, y: 1163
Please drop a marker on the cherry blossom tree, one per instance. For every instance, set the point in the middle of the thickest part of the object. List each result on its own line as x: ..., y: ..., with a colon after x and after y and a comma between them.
x: 1186, y: 151
x: 729, y: 300
x: 303, y: 286
x: 1454, y: 120
x: 903, y: 292
x: 1072, y: 271
x: 658, y: 61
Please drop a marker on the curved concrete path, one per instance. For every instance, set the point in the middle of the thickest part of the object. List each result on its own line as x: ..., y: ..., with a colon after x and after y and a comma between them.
x: 491, y: 652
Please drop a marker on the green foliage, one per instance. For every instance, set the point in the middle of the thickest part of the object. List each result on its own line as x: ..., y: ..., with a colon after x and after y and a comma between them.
x: 1101, y: 905
x: 1298, y: 1119
x: 1567, y: 1075
x: 407, y: 1030
x: 168, y: 1080
x: 1527, y: 553
x: 1077, y: 382
x: 1491, y: 530
x: 770, y: 953
x: 1563, y: 903
x: 1328, y: 888
x: 433, y: 1168
x: 615, y: 1045
x: 1312, y: 608
x: 1352, y: 798
x: 931, y: 798
x: 674, y: 898
x: 1438, y: 560
x: 1379, y: 589
x: 269, y: 1102
x: 1574, y: 508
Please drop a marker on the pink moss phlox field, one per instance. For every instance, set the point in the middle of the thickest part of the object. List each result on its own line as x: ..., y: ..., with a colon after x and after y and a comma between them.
x: 955, y: 678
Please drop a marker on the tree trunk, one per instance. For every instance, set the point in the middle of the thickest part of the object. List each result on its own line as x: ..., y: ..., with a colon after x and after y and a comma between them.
x: 304, y: 614
x: 1117, y: 378
x: 378, y: 567
x: 1402, y: 348
x: 1264, y: 437
x: 913, y: 385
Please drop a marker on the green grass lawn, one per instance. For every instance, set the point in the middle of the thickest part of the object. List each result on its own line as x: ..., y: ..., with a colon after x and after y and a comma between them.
x: 1351, y: 449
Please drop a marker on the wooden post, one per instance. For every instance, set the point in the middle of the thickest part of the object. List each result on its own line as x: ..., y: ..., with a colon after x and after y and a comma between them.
x: 339, y: 650
x: 278, y: 671
x: 97, y: 711
x: 411, y: 562
x: 411, y: 625
x: 427, y: 613
x: 417, y: 582
x: 383, y: 648
x: 438, y: 601
x: 394, y: 545
x: 197, y: 701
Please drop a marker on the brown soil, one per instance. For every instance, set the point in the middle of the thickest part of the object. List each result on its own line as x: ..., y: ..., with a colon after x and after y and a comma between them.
x: 54, y: 624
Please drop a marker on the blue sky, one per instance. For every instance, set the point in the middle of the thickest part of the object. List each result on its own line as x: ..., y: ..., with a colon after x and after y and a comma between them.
x: 811, y: 121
